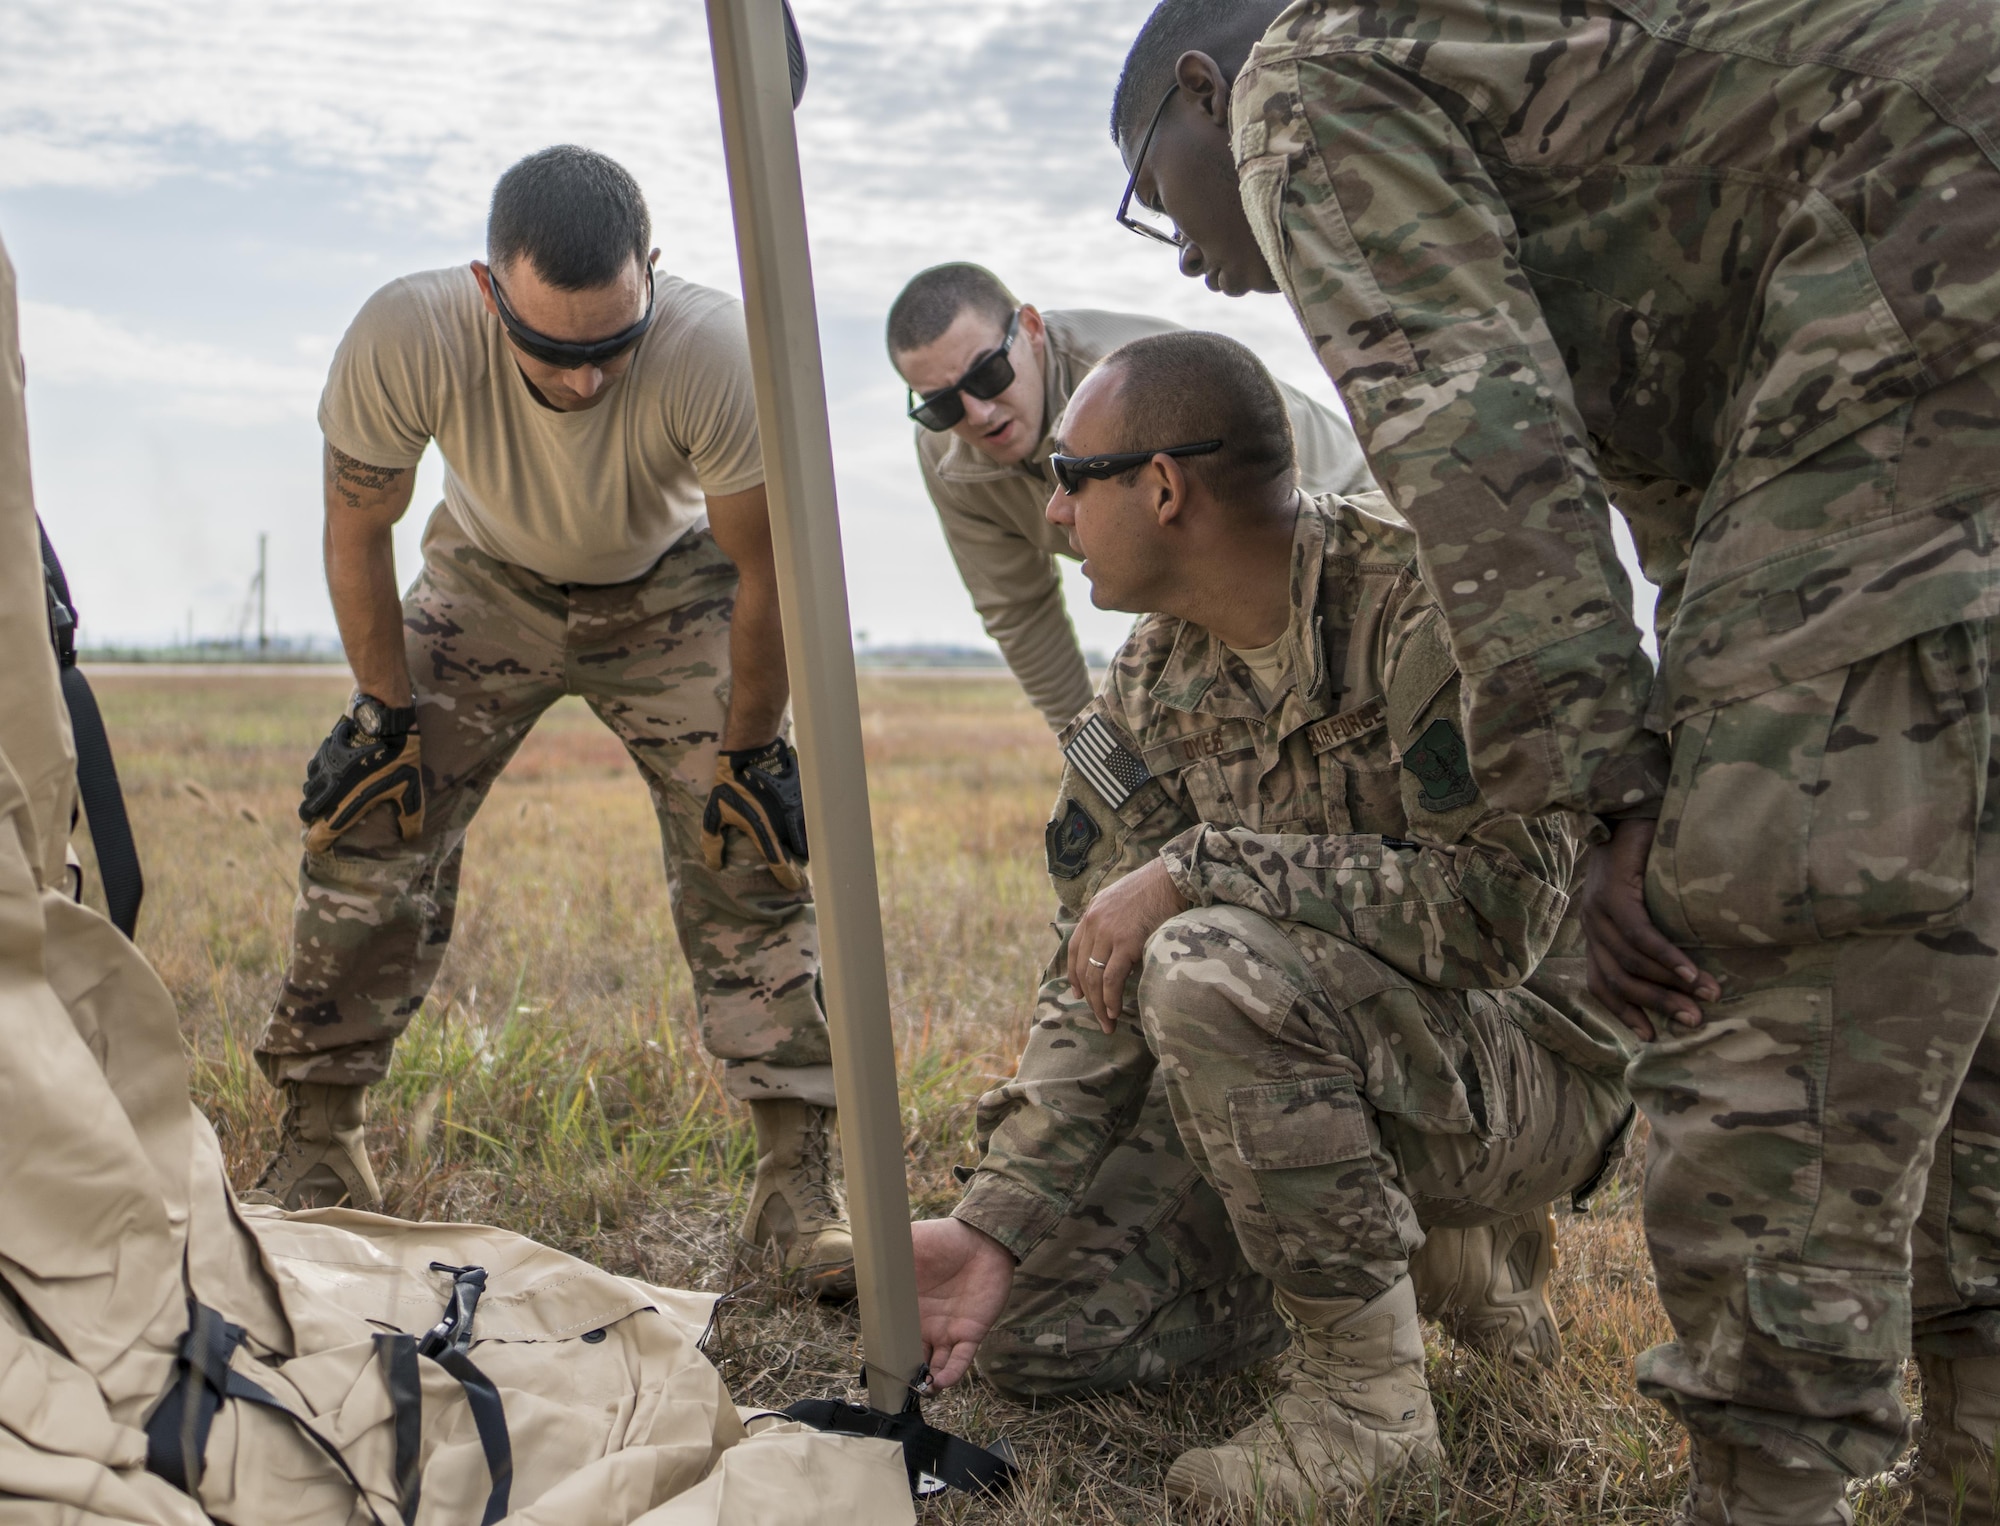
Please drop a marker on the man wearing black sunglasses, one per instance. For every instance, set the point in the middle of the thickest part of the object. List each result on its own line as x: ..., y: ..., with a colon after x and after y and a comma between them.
x: 1314, y: 997
x: 603, y: 533
x: 988, y: 376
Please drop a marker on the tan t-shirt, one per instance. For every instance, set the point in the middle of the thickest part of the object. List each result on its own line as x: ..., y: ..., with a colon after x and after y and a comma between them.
x: 590, y: 497
x: 1267, y: 665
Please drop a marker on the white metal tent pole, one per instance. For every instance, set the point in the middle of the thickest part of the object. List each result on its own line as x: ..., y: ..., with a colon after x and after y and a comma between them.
x: 754, y: 83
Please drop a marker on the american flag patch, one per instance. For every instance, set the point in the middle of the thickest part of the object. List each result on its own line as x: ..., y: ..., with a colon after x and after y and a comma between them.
x: 1105, y: 762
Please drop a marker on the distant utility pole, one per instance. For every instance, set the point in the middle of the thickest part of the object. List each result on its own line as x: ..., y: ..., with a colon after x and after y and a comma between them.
x: 263, y: 639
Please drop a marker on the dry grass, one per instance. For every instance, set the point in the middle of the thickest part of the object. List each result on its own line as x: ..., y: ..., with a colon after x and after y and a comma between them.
x: 553, y: 1084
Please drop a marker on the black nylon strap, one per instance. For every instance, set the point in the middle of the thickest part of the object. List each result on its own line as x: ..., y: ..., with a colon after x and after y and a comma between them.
x: 96, y: 775
x: 177, y: 1431
x: 398, y: 1356
x: 446, y: 1344
x: 926, y: 1449
x: 490, y: 1419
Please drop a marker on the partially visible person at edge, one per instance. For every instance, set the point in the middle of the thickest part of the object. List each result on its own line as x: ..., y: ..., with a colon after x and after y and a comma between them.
x: 1314, y: 1003
x: 1737, y: 269
x: 603, y: 533
x: 989, y: 375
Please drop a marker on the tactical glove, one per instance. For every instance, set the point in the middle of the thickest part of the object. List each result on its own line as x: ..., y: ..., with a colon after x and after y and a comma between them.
x: 757, y: 792
x: 352, y: 773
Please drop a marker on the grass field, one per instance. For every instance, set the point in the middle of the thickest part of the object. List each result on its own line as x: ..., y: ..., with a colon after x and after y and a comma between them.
x: 554, y: 1085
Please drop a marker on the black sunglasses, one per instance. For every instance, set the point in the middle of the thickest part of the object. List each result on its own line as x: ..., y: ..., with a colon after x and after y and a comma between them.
x: 566, y: 354
x: 1124, y: 213
x: 987, y: 377
x: 1071, y: 471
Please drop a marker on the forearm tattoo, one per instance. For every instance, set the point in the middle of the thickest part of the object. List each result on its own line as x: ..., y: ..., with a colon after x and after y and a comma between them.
x: 351, y: 478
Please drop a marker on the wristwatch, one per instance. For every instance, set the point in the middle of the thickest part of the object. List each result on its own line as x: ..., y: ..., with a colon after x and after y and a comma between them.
x: 378, y: 721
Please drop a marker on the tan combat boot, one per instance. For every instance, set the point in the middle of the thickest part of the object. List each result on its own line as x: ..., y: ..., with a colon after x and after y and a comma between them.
x: 1739, y: 1486
x: 1949, y: 1480
x: 1489, y: 1287
x: 322, y: 1158
x: 1355, y: 1411
x: 796, y: 1207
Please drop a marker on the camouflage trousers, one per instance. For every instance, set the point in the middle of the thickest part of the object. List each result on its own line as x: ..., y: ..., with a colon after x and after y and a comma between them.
x: 491, y: 646
x: 1824, y: 1179
x: 1313, y: 1112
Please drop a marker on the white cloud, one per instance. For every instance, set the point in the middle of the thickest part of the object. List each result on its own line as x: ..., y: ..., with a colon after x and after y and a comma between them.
x: 73, y: 346
x: 932, y: 130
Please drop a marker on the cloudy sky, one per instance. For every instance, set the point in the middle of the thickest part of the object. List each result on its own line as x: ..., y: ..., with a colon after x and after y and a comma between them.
x: 198, y: 194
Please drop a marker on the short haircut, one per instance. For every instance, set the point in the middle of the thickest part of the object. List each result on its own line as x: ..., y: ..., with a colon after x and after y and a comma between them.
x: 932, y: 301
x: 1187, y: 386
x: 578, y: 216
x: 1224, y: 29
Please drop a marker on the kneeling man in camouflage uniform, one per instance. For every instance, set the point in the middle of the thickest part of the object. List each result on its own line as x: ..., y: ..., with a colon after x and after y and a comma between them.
x: 1314, y: 999
x: 603, y: 533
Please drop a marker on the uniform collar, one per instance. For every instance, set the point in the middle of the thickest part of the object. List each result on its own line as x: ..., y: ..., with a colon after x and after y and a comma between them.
x: 1203, y: 676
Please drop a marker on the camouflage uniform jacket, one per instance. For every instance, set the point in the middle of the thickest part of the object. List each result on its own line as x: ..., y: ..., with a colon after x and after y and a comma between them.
x: 1348, y: 805
x: 1663, y: 251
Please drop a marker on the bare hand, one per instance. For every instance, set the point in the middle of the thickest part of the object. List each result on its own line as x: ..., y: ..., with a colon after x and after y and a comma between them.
x: 1111, y: 939
x: 1632, y: 968
x: 963, y: 1279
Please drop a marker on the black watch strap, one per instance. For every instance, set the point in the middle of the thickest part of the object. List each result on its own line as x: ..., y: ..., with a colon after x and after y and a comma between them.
x: 396, y: 721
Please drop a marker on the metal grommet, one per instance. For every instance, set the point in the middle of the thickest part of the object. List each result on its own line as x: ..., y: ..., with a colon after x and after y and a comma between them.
x: 593, y: 1336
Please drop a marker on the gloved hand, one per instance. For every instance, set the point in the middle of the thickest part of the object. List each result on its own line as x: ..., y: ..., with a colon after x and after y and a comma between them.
x: 352, y: 773
x: 757, y: 792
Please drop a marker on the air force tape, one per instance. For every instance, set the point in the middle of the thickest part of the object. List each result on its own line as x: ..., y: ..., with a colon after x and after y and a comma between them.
x: 1106, y: 763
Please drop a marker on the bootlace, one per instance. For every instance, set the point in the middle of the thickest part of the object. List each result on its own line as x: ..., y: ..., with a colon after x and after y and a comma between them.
x: 816, y: 1163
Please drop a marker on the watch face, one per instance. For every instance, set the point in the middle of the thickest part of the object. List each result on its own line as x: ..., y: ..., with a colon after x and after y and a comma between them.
x: 368, y: 715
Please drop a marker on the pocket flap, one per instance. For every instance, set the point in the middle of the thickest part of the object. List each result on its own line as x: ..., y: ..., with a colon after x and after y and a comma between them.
x: 1285, y: 1125
x: 1830, y: 1310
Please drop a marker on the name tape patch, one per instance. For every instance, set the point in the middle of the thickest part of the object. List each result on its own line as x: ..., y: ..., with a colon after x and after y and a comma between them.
x: 1345, y: 727
x: 1107, y: 763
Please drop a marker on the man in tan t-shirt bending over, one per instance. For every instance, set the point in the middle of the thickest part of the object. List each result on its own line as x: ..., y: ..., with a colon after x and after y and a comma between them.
x: 603, y: 533
x: 989, y: 377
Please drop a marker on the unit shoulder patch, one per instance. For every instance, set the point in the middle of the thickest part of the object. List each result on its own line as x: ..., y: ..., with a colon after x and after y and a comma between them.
x: 1110, y: 767
x: 1442, y: 769
x: 1071, y: 836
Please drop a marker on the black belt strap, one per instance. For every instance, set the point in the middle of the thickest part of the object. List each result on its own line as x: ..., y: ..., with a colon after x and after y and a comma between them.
x: 927, y: 1451
x: 446, y: 1343
x: 490, y: 1420
x: 177, y: 1431
x: 398, y: 1356
x: 96, y: 775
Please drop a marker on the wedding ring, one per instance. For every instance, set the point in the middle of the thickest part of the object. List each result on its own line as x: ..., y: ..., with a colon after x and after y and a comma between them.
x: 1096, y: 964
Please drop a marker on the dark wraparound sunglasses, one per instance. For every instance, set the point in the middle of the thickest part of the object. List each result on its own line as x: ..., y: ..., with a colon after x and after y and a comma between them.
x: 566, y: 354
x: 1172, y: 236
x: 986, y: 378
x: 1072, y: 471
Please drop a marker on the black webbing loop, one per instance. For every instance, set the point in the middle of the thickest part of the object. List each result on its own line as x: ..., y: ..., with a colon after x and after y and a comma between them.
x: 446, y: 1343
x: 490, y: 1420
x: 177, y: 1431
x: 953, y: 1462
x: 96, y: 776
x: 398, y: 1355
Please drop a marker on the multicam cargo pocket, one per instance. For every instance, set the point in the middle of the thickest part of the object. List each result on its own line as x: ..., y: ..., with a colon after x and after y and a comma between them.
x: 1285, y: 1125
x: 1842, y: 804
x: 1831, y: 1310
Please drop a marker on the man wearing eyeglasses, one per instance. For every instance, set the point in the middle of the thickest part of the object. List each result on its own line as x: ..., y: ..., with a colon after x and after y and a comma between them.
x: 603, y: 533
x: 1735, y: 269
x: 989, y: 376
x: 1314, y: 996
